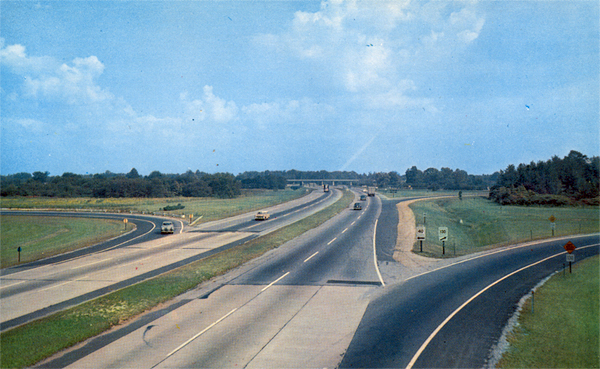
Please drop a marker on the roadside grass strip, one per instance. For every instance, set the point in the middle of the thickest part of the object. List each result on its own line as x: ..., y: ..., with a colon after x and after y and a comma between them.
x: 40, y: 237
x: 562, y: 330
x: 475, y: 224
x: 209, y: 208
x: 30, y: 343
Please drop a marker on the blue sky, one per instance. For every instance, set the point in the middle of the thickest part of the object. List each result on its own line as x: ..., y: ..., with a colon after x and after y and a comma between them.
x: 234, y: 86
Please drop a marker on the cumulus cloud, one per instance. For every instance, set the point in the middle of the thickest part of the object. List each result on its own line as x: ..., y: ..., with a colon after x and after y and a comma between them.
x: 45, y: 78
x: 209, y: 107
x: 370, y: 47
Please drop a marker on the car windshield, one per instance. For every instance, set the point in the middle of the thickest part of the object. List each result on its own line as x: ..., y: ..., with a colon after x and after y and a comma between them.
x: 167, y: 223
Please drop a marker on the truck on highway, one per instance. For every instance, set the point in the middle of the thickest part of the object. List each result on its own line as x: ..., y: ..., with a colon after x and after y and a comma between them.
x: 371, y: 191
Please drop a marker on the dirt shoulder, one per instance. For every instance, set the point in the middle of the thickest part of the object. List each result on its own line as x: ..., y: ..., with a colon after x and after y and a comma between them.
x: 406, y: 238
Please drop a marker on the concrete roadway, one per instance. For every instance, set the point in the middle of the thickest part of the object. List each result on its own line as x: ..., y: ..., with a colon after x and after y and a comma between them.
x: 30, y: 291
x: 318, y: 301
x: 297, y: 306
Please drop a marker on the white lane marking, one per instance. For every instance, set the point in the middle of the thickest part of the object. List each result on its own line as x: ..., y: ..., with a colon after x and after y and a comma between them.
x: 97, y: 262
x: 375, y: 255
x: 14, y: 284
x: 201, y: 333
x: 353, y: 223
x: 275, y: 281
x: 56, y: 285
x: 344, y: 230
x: 310, y: 257
x: 329, y: 243
x: 439, y: 328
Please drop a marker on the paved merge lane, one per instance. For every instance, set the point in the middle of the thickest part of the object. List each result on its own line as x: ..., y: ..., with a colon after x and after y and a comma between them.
x: 404, y: 328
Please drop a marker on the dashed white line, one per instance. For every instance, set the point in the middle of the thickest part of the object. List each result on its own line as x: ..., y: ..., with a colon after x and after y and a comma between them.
x: 97, y: 262
x: 275, y: 281
x: 201, y: 333
x: 344, y: 230
x: 310, y: 257
x: 329, y: 243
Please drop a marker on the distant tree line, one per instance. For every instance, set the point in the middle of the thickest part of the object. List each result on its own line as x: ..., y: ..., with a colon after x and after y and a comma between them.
x: 571, y: 180
x: 448, y: 179
x: 105, y: 185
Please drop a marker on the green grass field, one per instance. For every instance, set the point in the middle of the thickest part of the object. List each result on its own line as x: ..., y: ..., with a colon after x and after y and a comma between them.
x: 209, y: 208
x: 40, y: 237
x: 562, y: 331
x: 49, y: 335
x: 475, y: 223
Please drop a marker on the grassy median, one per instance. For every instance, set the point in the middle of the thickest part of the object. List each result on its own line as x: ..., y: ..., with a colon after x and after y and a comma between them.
x: 562, y: 331
x: 41, y: 237
x: 477, y: 223
x: 25, y: 345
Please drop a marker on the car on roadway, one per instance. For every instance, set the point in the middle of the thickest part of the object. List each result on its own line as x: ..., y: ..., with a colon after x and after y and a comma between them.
x: 357, y: 206
x: 262, y: 215
x: 363, y: 197
x: 167, y: 227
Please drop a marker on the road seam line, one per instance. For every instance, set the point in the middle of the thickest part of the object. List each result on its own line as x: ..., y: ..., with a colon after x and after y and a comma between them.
x: 439, y: 328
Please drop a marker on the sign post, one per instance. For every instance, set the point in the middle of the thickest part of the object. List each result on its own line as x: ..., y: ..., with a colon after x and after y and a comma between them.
x: 552, y: 219
x: 125, y: 221
x: 570, y: 247
x: 421, y: 235
x: 19, y: 254
x: 443, y: 236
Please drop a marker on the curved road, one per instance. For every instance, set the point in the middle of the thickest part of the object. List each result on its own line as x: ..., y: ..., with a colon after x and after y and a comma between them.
x: 37, y: 289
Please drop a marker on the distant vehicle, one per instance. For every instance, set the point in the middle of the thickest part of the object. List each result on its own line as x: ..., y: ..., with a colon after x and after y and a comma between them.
x: 262, y: 215
x: 363, y: 197
x: 167, y: 227
x: 325, y: 188
x: 357, y: 206
x: 371, y: 191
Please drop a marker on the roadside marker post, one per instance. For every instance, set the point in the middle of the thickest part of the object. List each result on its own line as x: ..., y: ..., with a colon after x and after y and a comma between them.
x: 443, y: 236
x: 19, y: 254
x: 421, y: 235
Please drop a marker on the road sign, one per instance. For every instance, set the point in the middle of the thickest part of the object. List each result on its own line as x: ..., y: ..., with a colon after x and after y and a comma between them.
x: 569, y: 247
x: 125, y: 221
x: 570, y: 258
x: 420, y: 233
x: 552, y: 219
x: 443, y: 233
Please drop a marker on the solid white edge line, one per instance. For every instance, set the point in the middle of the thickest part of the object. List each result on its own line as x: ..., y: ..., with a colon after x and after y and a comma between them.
x: 375, y: 254
x: 310, y: 257
x: 439, y: 328
x: 199, y: 334
x: 275, y: 281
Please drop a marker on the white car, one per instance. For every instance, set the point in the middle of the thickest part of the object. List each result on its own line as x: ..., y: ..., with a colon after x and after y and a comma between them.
x: 262, y: 215
x: 167, y: 227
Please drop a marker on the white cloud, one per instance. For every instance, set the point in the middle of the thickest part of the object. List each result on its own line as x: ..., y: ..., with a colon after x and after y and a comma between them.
x: 209, y: 107
x: 45, y: 78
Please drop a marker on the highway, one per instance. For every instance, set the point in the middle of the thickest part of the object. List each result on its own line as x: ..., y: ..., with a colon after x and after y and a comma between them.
x: 321, y: 300
x: 297, y: 306
x: 37, y: 289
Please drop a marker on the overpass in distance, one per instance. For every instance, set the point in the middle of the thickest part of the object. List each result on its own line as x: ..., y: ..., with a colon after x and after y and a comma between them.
x: 332, y: 182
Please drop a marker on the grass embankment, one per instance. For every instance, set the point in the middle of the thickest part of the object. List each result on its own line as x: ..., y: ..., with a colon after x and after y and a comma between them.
x: 49, y: 335
x: 476, y: 223
x: 41, y: 237
x: 562, y: 331
x: 209, y: 208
